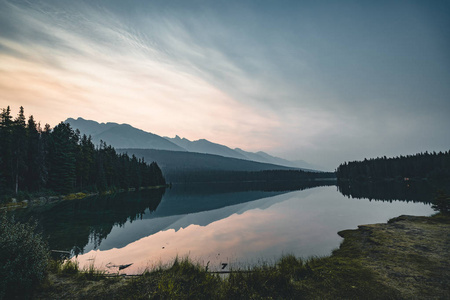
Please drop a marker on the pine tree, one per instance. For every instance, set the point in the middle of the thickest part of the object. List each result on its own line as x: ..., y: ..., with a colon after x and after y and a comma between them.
x: 19, y: 149
x: 85, y: 162
x: 6, y: 149
x: 32, y: 175
x: 61, y: 160
x: 63, y: 144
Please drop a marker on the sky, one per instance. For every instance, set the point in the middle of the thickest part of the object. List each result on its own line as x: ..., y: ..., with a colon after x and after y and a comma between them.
x: 319, y: 81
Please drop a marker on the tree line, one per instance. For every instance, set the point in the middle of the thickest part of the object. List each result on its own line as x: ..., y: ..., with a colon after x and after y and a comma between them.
x: 411, y: 167
x: 62, y: 160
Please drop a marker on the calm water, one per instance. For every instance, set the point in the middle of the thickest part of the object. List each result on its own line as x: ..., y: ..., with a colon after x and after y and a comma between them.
x: 218, y: 224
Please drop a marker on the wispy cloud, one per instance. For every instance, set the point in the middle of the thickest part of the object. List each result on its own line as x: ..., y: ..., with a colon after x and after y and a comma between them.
x: 101, y: 69
x: 325, y: 83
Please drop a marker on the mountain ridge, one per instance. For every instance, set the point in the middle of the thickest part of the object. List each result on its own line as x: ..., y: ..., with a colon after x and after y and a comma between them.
x: 126, y: 136
x: 121, y: 135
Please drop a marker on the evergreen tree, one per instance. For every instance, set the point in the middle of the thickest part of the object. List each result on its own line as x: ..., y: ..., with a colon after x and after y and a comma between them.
x: 420, y: 166
x: 63, y: 161
x: 85, y: 162
x: 32, y: 176
x: 63, y: 144
x: 19, y: 149
x: 44, y: 156
x: 135, y: 174
x: 6, y: 149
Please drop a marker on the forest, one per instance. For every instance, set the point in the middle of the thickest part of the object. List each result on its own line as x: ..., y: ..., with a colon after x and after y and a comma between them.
x: 60, y: 160
x: 421, y: 166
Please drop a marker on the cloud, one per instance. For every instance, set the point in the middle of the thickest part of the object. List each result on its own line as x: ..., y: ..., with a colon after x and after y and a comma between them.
x: 108, y: 72
x: 322, y: 83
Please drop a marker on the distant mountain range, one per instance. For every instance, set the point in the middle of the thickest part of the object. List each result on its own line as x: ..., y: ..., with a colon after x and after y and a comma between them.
x: 124, y: 136
x: 121, y: 135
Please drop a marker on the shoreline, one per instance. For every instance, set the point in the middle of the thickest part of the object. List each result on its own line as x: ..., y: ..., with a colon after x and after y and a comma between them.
x: 407, y: 257
x: 410, y: 254
x: 46, y: 200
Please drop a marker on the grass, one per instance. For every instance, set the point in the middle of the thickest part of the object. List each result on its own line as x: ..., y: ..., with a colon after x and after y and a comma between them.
x: 409, y: 254
x: 289, y: 278
x: 406, y: 258
x: 70, y: 268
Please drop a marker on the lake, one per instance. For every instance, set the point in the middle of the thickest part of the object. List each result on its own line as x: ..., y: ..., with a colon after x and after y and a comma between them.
x: 235, y: 224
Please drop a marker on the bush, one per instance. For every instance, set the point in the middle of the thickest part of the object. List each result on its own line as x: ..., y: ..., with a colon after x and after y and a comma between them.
x: 23, y: 258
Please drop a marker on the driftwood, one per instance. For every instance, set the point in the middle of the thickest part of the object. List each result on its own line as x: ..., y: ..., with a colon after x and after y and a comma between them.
x: 61, y: 251
x: 121, y: 267
x: 61, y: 254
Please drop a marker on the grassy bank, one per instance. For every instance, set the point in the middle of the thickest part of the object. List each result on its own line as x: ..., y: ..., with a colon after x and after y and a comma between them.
x: 410, y: 255
x: 406, y: 258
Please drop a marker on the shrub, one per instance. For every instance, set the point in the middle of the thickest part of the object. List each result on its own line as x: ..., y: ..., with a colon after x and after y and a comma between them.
x: 23, y: 258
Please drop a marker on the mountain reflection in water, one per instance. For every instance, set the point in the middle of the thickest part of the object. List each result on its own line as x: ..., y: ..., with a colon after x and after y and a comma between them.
x: 82, y: 225
x: 235, y: 223
x: 302, y: 223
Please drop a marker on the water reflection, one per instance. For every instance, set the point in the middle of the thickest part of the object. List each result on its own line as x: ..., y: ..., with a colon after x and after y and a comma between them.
x: 84, y: 225
x: 234, y: 223
x: 191, y: 198
x: 303, y: 223
x: 415, y: 191
x: 71, y: 225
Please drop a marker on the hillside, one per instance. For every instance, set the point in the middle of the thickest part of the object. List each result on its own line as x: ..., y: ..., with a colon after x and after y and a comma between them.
x: 185, y: 167
x: 169, y: 160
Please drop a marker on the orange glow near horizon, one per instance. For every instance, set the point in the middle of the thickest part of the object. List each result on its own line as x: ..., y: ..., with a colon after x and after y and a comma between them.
x: 192, y: 108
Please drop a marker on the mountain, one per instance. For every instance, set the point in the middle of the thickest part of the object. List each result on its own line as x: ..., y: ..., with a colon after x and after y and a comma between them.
x: 121, y: 135
x: 266, y: 158
x: 205, y: 146
x: 126, y: 136
x: 305, y: 165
